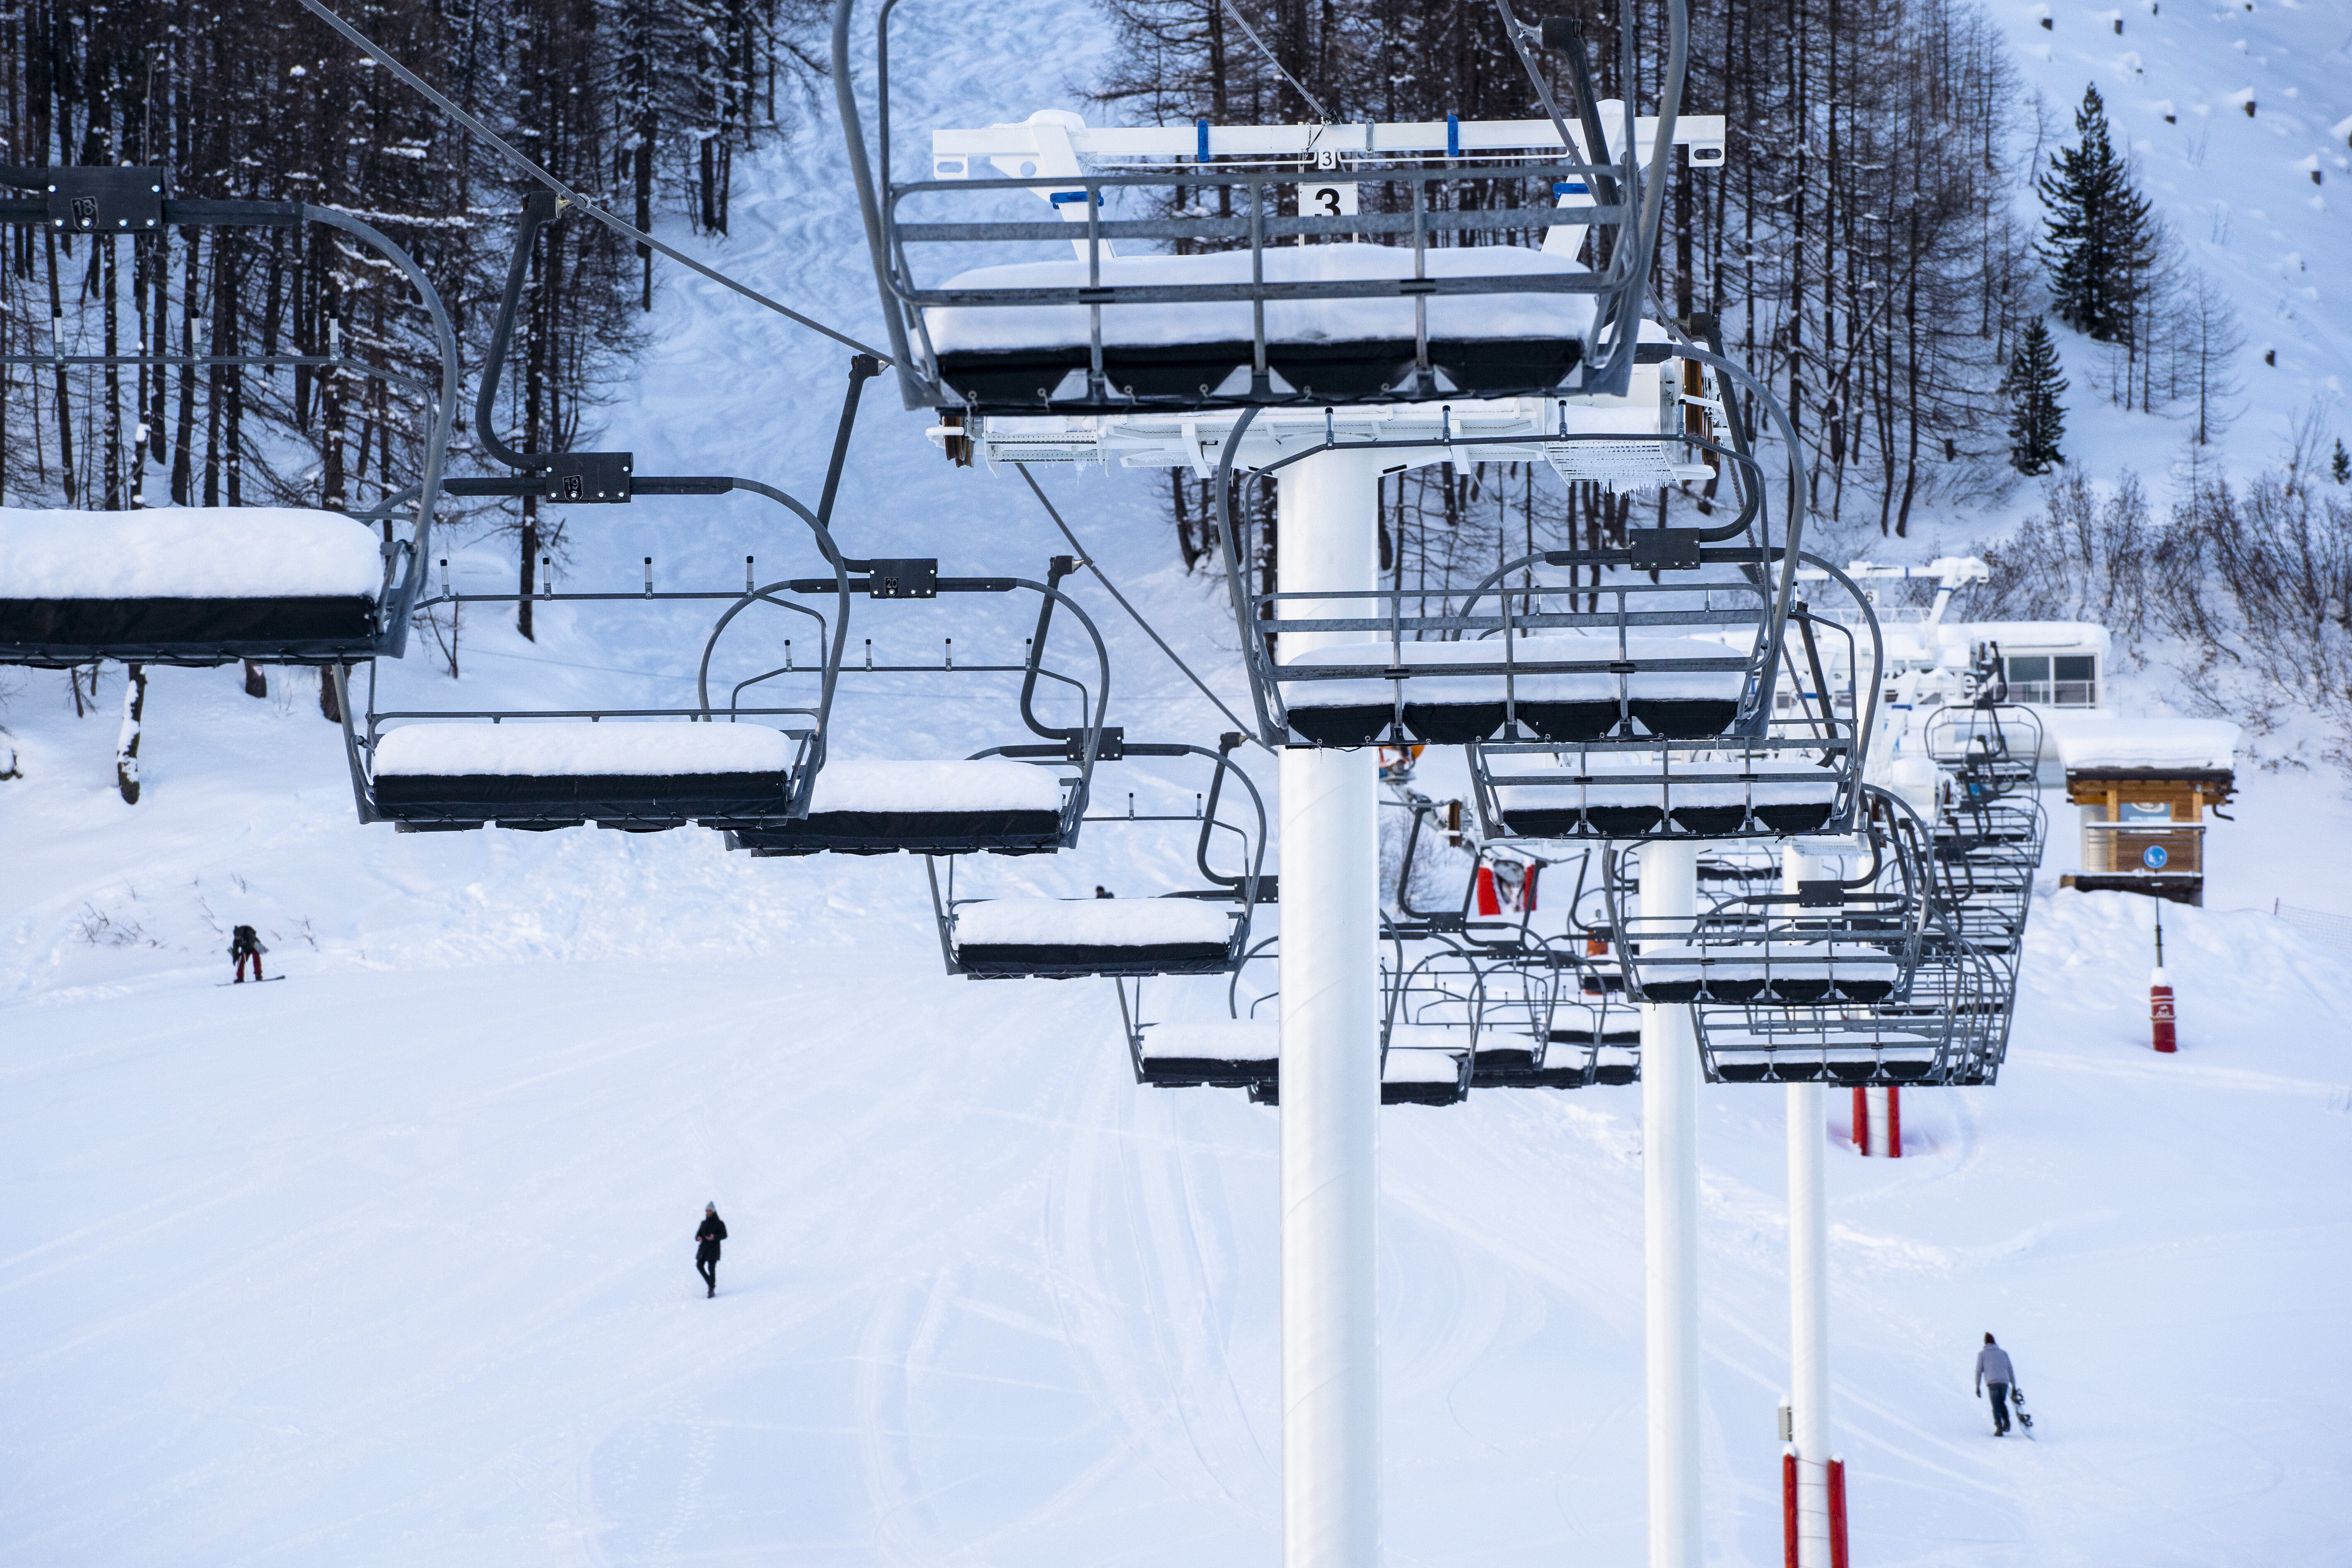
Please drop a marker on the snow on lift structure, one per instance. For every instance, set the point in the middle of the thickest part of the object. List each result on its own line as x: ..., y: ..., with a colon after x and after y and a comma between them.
x: 1018, y: 799
x: 1265, y: 318
x: 1198, y: 931
x: 207, y: 585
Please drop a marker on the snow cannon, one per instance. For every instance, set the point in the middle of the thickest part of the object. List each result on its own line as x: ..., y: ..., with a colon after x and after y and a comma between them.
x: 2159, y: 1012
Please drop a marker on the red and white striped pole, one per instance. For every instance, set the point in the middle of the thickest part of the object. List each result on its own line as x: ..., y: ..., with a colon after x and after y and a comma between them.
x: 1889, y: 1116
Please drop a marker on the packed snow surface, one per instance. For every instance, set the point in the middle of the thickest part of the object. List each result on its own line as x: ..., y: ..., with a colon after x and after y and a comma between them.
x: 972, y: 328
x: 2097, y: 743
x: 1092, y: 922
x: 391, y: 1263
x: 187, y: 552
x: 990, y: 783
x: 574, y: 748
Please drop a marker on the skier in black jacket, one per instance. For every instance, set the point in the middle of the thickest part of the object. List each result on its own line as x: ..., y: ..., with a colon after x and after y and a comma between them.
x: 245, y: 942
x: 706, y: 1247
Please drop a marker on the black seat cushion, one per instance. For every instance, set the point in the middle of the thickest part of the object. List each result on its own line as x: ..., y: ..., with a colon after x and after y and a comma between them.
x: 190, y: 630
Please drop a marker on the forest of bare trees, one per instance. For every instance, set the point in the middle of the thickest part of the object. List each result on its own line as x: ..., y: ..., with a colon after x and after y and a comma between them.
x: 639, y: 101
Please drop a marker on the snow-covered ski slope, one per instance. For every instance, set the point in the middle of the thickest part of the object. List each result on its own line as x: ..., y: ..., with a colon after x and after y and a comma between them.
x: 391, y: 1263
x: 2236, y: 191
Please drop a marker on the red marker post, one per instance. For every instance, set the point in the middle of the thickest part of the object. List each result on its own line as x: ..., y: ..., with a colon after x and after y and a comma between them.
x: 1838, y: 1553
x: 2159, y: 995
x: 1788, y: 1507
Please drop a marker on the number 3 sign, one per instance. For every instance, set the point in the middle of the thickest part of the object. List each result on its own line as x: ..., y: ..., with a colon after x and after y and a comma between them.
x: 1336, y: 199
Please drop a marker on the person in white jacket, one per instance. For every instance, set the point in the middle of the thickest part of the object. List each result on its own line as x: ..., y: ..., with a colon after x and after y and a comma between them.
x: 1994, y: 1372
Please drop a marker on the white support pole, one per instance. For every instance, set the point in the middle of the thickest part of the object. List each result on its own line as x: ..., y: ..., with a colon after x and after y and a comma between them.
x: 1670, y: 1076
x: 1330, y: 1060
x: 1808, y: 1291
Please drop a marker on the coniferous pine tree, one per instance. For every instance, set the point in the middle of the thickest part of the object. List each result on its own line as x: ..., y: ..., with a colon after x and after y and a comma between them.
x: 2339, y: 465
x: 2101, y: 237
x: 2037, y: 420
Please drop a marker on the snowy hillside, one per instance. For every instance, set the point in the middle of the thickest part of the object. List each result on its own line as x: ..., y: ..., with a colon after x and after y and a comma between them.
x: 390, y: 1263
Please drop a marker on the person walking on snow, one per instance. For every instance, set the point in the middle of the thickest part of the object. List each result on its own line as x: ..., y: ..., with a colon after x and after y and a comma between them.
x: 1994, y: 1372
x: 245, y: 943
x: 706, y: 1247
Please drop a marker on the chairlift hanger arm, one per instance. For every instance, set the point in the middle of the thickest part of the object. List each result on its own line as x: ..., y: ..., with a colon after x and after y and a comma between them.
x: 1587, y: 104
x: 1108, y: 586
x: 540, y: 209
x: 1517, y: 35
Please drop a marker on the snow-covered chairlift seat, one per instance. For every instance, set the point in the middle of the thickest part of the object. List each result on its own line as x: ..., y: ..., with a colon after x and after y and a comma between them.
x: 1592, y: 1044
x: 1064, y: 938
x: 1606, y: 795
x: 1677, y: 688
x: 189, y: 586
x: 1790, y: 974
x: 881, y: 807
x: 1425, y: 1064
x: 1240, y: 1053
x: 1345, y: 350
x: 1430, y: 1067
x: 561, y: 773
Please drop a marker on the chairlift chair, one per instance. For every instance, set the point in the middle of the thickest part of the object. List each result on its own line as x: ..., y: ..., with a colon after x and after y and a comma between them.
x: 1679, y: 767
x: 1198, y: 931
x: 1242, y: 1050
x: 1951, y: 1029
x: 1017, y: 799
x: 1844, y: 942
x: 1594, y: 1041
x: 208, y: 585
x: 1251, y: 313
x: 639, y: 770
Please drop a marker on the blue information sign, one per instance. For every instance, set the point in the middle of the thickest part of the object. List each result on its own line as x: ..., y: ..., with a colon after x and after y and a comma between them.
x: 2154, y: 856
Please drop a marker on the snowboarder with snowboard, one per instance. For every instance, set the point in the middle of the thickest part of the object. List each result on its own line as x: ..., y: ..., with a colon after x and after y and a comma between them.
x: 1994, y: 1372
x: 245, y: 943
x: 706, y: 1247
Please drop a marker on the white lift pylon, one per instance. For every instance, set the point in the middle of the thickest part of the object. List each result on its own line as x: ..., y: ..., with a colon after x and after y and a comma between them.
x: 1809, y: 1287
x: 1328, y: 543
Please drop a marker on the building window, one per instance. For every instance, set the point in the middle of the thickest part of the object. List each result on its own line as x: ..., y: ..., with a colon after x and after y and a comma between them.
x: 2064, y: 680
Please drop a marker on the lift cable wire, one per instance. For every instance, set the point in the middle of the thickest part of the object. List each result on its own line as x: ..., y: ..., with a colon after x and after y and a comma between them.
x: 569, y: 195
x: 1273, y: 59
x: 1088, y: 561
